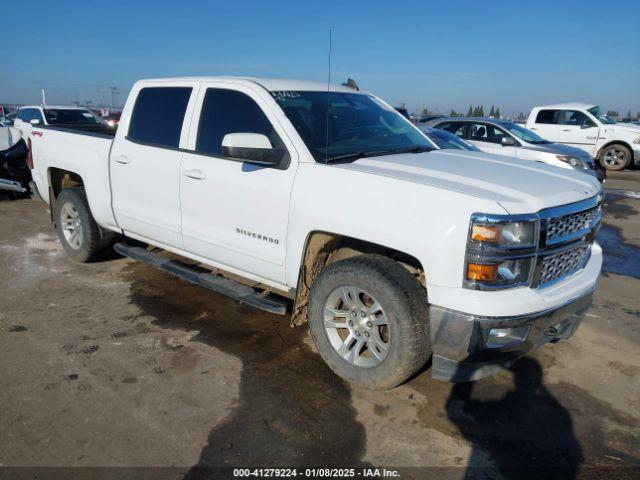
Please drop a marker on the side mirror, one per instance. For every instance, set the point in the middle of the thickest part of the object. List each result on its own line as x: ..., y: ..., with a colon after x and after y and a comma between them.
x: 508, y: 141
x: 253, y: 148
x: 34, y: 121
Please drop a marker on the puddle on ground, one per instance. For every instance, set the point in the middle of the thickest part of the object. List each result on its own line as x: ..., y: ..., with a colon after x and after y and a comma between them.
x: 620, y: 257
x: 292, y: 409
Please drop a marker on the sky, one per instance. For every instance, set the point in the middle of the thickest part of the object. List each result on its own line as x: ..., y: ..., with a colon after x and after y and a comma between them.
x: 439, y: 54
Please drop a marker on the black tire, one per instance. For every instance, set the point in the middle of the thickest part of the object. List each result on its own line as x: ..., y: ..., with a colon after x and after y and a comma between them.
x: 93, y: 245
x: 405, y: 304
x: 621, y: 153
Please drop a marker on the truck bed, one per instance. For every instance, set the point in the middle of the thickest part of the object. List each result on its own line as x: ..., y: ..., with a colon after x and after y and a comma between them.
x: 104, y: 131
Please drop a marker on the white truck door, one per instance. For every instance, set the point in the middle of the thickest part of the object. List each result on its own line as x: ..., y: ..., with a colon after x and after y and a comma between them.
x: 546, y: 124
x: 235, y: 213
x: 578, y: 130
x: 145, y: 162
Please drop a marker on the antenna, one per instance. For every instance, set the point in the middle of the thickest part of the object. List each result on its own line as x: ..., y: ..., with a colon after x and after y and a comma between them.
x: 326, y: 145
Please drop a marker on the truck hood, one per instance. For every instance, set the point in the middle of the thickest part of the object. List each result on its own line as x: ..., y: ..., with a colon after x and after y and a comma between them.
x: 519, y: 186
x: 623, y: 129
x: 9, y: 136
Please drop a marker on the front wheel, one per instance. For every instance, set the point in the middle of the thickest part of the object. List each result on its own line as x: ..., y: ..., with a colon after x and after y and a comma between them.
x: 369, y: 322
x: 615, y: 157
x: 78, y: 232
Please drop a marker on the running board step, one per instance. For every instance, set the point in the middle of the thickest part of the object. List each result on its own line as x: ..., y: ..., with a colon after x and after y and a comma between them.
x: 225, y: 286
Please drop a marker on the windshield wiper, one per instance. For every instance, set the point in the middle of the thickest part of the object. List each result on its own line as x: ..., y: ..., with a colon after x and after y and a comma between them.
x: 378, y: 153
x: 412, y: 149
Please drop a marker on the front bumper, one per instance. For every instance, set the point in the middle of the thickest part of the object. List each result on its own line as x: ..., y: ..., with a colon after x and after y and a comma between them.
x: 460, y: 340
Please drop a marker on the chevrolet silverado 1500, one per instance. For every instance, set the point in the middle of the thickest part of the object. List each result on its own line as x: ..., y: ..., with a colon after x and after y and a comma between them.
x: 328, y: 204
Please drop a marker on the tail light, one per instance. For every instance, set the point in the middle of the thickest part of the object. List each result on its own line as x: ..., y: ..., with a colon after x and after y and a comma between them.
x: 29, y: 155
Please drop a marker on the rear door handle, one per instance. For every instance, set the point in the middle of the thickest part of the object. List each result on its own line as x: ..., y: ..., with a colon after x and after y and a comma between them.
x: 121, y: 159
x: 566, y: 130
x: 195, y: 174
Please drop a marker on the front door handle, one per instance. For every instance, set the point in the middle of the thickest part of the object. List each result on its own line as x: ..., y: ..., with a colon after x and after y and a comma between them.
x: 195, y: 174
x: 121, y: 159
x: 566, y: 130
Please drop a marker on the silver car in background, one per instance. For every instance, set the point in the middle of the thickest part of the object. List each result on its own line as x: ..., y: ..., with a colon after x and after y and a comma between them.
x: 502, y: 137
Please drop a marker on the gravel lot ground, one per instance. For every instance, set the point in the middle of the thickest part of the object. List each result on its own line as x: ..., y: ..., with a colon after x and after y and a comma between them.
x: 116, y: 364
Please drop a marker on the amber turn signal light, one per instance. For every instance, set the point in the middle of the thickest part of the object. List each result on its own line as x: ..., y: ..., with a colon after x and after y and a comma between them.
x: 485, y: 233
x: 482, y: 273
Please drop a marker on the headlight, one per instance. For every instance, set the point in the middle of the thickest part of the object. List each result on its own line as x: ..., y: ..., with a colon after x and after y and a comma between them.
x: 500, y: 250
x: 575, y: 162
x: 507, y: 272
x: 496, y: 233
x: 637, y: 141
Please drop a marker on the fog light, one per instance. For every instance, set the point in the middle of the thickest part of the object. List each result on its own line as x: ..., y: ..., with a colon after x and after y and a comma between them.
x: 501, y: 337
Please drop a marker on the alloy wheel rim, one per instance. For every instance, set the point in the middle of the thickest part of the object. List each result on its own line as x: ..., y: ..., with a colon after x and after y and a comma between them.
x: 71, y: 225
x: 357, y: 326
x: 614, y: 157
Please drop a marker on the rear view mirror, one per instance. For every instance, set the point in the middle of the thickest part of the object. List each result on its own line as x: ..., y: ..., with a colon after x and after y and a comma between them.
x: 34, y: 121
x: 253, y: 148
x: 508, y: 141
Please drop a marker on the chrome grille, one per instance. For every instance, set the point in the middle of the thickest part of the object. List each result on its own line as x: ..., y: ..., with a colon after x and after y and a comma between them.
x: 560, y: 228
x: 565, y: 263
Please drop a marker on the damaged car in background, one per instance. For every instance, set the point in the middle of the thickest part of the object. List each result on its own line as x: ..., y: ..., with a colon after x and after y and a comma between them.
x: 14, y: 171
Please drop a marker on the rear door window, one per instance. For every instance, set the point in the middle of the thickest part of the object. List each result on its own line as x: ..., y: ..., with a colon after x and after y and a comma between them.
x: 549, y: 117
x: 457, y: 128
x: 229, y: 111
x: 158, y: 115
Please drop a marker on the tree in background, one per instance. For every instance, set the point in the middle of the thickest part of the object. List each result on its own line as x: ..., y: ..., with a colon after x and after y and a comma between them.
x: 492, y: 112
x: 470, y: 112
x: 521, y: 117
x: 497, y: 114
x: 612, y: 113
x: 629, y: 114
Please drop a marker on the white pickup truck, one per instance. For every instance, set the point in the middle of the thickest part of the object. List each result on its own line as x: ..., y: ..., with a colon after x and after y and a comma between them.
x: 342, y: 212
x: 581, y: 125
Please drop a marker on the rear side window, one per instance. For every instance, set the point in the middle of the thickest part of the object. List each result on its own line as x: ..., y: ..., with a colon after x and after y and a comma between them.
x: 457, y: 128
x: 158, y: 115
x: 229, y: 111
x: 548, y: 117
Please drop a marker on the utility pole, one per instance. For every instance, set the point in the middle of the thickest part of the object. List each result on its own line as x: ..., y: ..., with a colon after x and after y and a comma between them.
x: 44, y: 100
x: 114, y: 92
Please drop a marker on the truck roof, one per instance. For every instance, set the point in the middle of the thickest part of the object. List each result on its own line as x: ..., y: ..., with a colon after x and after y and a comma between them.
x: 270, y: 84
x: 566, y: 106
x: 57, y: 107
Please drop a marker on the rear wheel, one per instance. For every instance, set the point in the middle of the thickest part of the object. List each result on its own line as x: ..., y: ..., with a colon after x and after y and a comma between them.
x: 368, y: 319
x: 615, y: 157
x: 78, y: 232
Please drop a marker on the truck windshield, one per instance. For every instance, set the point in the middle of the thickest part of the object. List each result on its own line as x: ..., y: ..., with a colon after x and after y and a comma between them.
x: 60, y: 116
x: 596, y: 112
x: 358, y: 125
x: 524, y: 134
